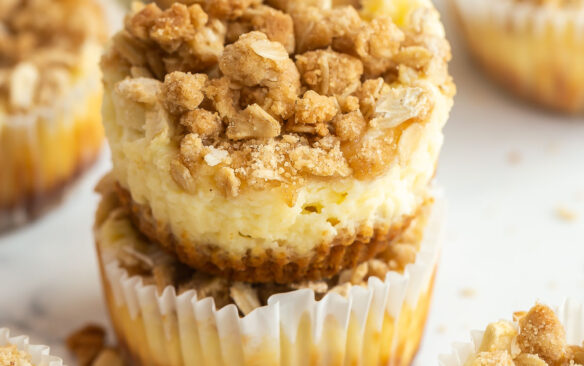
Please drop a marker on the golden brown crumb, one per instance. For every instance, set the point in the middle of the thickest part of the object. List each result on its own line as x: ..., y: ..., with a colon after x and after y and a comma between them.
x: 317, y: 28
x: 191, y: 149
x: 375, y: 44
x: 324, y: 160
x: 369, y: 93
x: 172, y: 28
x: 255, y: 61
x: 86, y: 343
x: 541, y: 333
x: 183, y: 91
x: 253, y: 122
x: 202, y: 122
x: 328, y: 72
x: 223, y: 9
x: 182, y: 176
x: 224, y: 97
x: 228, y: 182
x: 277, y: 26
x: 313, y: 109
x: 350, y: 126
x: 140, y: 90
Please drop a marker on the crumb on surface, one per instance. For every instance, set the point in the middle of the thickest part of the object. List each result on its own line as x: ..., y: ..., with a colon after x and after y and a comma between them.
x: 468, y: 292
x: 566, y: 214
x: 514, y: 157
x: 89, y: 347
x: 86, y: 343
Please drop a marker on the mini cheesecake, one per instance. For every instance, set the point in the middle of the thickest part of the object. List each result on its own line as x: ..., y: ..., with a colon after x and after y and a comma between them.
x: 276, y: 141
x: 50, y: 98
x: 534, y: 48
x: 166, y: 313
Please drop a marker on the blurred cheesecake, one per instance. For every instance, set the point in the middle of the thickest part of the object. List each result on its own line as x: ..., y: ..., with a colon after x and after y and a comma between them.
x: 50, y: 97
x: 535, y: 48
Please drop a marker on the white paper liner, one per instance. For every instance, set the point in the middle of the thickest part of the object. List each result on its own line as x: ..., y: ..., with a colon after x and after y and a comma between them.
x: 570, y: 313
x: 237, y: 340
x: 40, y: 355
x: 523, y: 16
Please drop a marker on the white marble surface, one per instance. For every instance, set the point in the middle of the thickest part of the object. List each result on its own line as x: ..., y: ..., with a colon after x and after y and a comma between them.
x: 506, y: 169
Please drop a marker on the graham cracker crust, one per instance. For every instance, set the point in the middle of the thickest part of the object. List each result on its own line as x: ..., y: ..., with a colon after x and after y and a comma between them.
x: 328, y: 259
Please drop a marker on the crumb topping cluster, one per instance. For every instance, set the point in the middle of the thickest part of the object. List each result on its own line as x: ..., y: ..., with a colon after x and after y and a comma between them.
x: 159, y: 268
x: 10, y: 355
x: 536, y: 339
x: 272, y: 93
x: 88, y: 344
x: 40, y: 43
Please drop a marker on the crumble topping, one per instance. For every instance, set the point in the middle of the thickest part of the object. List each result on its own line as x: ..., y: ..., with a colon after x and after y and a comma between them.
x: 40, y: 47
x: 10, y: 355
x: 90, y: 349
x: 86, y: 343
x: 273, y: 93
x: 537, y: 338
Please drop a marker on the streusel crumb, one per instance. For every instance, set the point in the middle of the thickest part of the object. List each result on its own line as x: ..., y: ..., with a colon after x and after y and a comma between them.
x: 283, y: 91
x: 41, y: 46
x: 537, y: 338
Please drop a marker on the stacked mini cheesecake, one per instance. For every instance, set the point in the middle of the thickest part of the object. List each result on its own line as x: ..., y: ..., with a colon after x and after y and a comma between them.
x: 271, y: 200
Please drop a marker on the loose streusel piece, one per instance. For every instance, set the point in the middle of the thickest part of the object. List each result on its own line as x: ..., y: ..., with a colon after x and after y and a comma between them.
x: 537, y: 338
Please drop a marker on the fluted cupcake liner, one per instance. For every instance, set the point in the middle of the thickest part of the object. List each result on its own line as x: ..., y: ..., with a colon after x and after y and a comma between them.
x: 40, y: 355
x: 536, y: 51
x: 381, y: 323
x: 570, y: 313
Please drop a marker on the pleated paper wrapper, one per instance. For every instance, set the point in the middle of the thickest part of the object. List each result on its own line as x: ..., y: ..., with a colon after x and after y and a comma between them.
x: 378, y: 324
x: 40, y: 355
